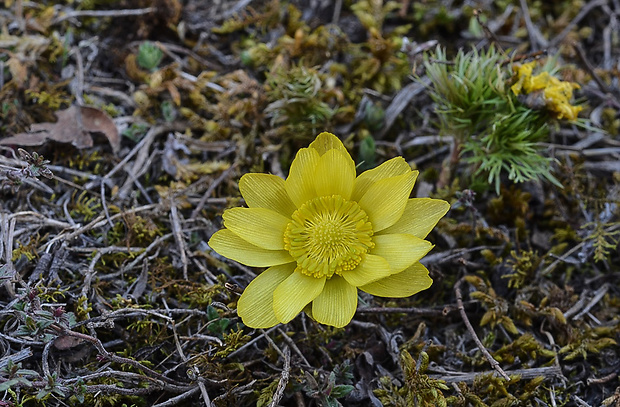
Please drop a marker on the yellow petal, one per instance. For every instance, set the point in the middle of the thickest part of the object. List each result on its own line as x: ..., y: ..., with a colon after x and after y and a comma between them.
x: 408, y: 282
x: 538, y: 82
x: 294, y: 293
x: 385, y: 200
x: 227, y: 244
x: 266, y: 191
x: 391, y: 168
x: 255, y: 307
x: 420, y: 217
x: 336, y: 304
x: 372, y: 268
x: 259, y: 226
x: 334, y: 175
x: 327, y: 141
x: 400, y: 250
x: 300, y: 182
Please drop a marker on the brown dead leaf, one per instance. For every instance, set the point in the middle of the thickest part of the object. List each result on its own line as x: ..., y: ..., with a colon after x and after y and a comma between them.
x: 74, y: 126
x: 64, y: 342
x: 19, y: 72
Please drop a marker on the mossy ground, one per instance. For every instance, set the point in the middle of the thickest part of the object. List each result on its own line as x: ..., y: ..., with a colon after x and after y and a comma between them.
x: 110, y: 295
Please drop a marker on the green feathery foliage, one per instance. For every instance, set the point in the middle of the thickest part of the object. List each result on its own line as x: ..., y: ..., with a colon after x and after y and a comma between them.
x: 495, y: 132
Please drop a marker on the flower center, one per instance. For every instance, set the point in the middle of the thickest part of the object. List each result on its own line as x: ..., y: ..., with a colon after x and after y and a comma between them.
x: 327, y: 235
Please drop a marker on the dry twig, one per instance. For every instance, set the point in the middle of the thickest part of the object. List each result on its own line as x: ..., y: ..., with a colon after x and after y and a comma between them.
x: 459, y: 300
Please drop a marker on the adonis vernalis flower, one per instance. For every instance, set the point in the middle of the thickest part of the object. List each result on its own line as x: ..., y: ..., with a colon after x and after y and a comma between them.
x: 556, y: 93
x: 324, y: 233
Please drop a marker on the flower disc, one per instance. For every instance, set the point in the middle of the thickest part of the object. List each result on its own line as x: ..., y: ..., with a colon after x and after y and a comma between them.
x: 327, y: 235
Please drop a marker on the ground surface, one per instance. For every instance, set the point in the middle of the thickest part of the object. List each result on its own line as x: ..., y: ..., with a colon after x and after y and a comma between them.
x: 111, y: 295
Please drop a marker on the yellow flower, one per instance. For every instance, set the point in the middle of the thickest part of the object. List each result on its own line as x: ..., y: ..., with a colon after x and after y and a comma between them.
x: 556, y: 93
x: 324, y: 233
x: 524, y: 73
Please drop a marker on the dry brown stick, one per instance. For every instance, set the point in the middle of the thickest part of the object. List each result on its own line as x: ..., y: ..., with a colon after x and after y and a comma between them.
x: 459, y: 300
x: 598, y: 295
x: 111, y: 93
x: 488, y: 31
x: 608, y: 31
x: 116, y: 374
x: 293, y: 345
x: 133, y: 179
x: 73, y: 185
x: 397, y: 310
x: 526, y: 374
x: 177, y: 399
x: 241, y: 4
x: 147, y: 139
x: 337, y: 10
x: 400, y: 102
x: 147, y: 250
x: 29, y: 215
x: 95, y: 223
x: 556, y: 360
x: 177, y: 230
x: 550, y: 267
x: 105, y: 205
x: 578, y: 305
x: 79, y: 76
x: 88, y: 278
x: 24, y: 342
x: 603, y: 380
x: 581, y: 402
x: 169, y: 48
x: 584, y: 60
x: 113, y: 389
x: 15, y: 357
x: 286, y: 372
x: 104, y: 13
x: 59, y: 169
x: 141, y: 150
x: 531, y: 29
x: 209, y: 191
x: 111, y: 356
x: 45, y: 363
x: 201, y: 385
x: 245, y: 389
x: 7, y: 234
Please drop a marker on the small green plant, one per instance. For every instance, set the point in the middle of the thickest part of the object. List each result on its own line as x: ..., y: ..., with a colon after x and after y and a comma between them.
x: 300, y: 101
x: 168, y: 111
x: 149, y: 56
x: 605, y: 238
x: 591, y: 341
x: 35, y: 168
x: 136, y: 131
x: 216, y: 325
x: 327, y: 390
x: 378, y: 63
x: 12, y: 376
x: 35, y: 322
x: 51, y: 387
x: 86, y: 206
x: 523, y: 265
x: 419, y: 389
x: 495, y: 126
x: 367, y: 153
x: 497, y: 307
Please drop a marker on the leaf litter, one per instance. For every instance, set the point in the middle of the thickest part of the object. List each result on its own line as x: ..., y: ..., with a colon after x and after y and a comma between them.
x: 75, y: 125
x: 111, y: 295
